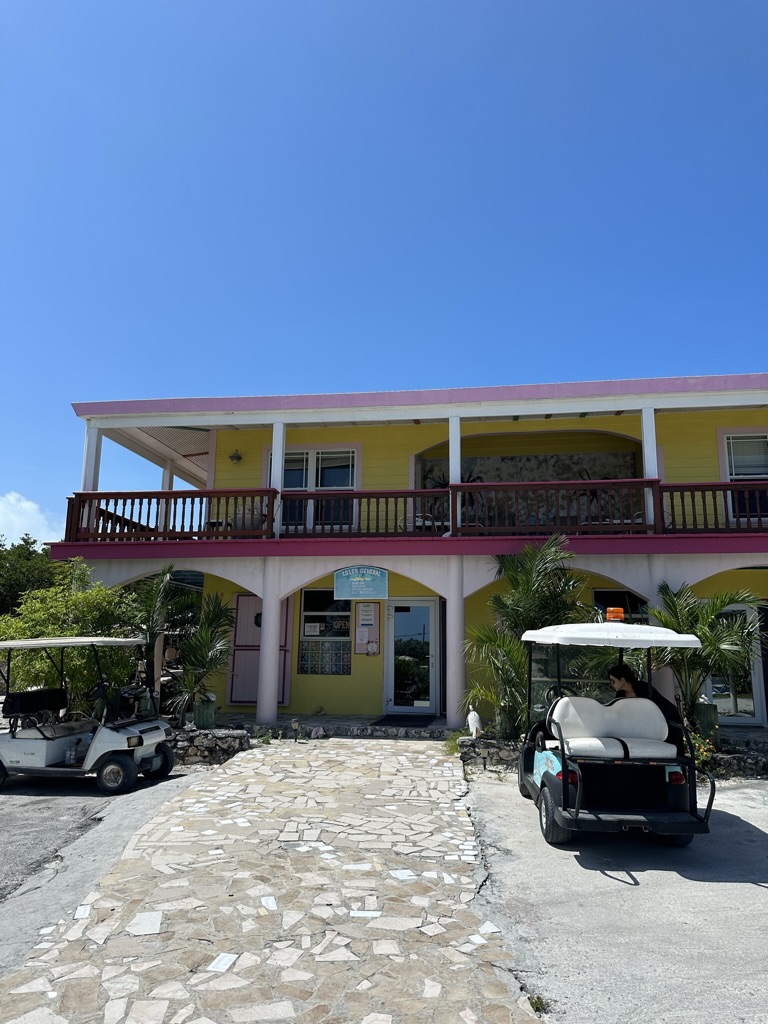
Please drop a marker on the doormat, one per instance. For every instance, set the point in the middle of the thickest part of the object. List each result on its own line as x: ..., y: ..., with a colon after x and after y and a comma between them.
x: 405, y: 721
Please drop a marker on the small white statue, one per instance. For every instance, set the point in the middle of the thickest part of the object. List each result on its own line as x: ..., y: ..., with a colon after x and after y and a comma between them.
x: 474, y: 724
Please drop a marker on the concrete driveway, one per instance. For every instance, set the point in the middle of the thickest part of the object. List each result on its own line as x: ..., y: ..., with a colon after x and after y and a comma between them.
x: 622, y: 931
x: 59, y: 837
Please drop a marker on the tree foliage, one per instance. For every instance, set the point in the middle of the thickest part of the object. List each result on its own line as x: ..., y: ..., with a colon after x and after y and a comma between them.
x: 72, y: 606
x: 541, y: 589
x: 728, y: 636
x: 24, y: 566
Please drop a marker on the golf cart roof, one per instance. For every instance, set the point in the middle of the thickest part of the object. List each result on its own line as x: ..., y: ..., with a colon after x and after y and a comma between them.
x: 71, y: 641
x: 610, y: 634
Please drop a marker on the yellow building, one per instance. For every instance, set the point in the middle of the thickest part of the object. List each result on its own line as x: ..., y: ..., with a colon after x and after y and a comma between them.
x: 355, y: 534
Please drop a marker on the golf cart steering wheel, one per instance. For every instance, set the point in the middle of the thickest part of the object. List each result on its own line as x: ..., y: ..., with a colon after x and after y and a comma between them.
x: 551, y: 695
x: 131, y: 692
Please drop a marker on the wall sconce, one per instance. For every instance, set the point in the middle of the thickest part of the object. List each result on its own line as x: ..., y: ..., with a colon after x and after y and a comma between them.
x: 235, y: 456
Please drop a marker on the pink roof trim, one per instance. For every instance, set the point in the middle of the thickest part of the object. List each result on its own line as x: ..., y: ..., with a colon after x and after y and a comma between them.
x: 442, y: 396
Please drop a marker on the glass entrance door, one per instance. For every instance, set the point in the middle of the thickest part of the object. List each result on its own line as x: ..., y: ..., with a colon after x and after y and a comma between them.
x: 410, y: 666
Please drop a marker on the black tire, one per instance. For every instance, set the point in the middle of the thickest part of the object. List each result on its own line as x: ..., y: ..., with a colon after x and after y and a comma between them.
x: 684, y: 839
x: 3, y: 774
x: 554, y: 834
x: 118, y: 774
x: 165, y: 769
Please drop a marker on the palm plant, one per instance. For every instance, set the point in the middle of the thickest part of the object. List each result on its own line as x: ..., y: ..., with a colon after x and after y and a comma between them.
x: 162, y: 607
x: 542, y: 589
x: 206, y: 650
x: 728, y: 638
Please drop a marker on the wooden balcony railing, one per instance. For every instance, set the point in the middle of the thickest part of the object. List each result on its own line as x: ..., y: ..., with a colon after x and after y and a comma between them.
x: 579, y: 507
x: 561, y: 506
x: 170, y: 515
x: 715, y: 508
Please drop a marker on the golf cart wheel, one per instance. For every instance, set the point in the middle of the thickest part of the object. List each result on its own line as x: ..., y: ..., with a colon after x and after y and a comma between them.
x: 554, y: 834
x: 166, y: 767
x: 684, y: 839
x: 118, y: 774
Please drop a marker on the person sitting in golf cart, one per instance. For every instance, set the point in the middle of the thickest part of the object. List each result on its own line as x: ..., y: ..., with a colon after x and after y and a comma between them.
x: 625, y: 683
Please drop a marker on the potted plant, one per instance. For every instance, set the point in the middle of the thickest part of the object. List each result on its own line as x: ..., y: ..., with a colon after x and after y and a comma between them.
x: 204, y: 651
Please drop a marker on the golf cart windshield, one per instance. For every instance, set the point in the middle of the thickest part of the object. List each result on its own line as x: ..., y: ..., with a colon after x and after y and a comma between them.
x: 576, y: 657
x: 113, y: 702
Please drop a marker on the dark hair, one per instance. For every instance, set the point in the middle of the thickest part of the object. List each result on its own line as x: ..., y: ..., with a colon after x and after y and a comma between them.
x: 622, y: 671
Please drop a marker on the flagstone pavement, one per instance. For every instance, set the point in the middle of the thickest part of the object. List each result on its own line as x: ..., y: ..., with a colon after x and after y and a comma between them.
x: 328, y: 881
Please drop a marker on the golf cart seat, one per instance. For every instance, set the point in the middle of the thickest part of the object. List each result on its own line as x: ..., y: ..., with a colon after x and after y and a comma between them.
x: 57, y: 730
x: 629, y: 728
x: 32, y: 702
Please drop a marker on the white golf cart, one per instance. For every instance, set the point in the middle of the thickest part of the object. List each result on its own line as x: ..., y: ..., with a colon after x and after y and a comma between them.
x: 606, y: 765
x: 46, y: 737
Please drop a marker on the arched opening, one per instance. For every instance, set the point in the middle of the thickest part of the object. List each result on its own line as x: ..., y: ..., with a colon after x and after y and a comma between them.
x: 742, y: 701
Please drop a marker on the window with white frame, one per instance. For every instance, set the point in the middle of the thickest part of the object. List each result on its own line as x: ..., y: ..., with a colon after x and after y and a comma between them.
x: 748, y: 463
x: 317, y: 469
x: 325, y: 644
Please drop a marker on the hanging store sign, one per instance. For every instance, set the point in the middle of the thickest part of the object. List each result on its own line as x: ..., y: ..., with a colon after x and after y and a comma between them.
x: 361, y: 583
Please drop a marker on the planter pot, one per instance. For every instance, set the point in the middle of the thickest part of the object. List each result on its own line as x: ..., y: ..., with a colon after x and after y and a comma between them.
x: 706, y: 718
x: 204, y: 714
x: 505, y: 729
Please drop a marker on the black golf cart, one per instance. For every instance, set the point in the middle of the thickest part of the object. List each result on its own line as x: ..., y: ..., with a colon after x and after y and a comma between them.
x: 593, y: 763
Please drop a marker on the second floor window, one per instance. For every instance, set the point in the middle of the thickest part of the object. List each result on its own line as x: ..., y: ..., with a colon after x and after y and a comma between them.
x: 748, y: 462
x: 318, y: 469
x: 314, y: 470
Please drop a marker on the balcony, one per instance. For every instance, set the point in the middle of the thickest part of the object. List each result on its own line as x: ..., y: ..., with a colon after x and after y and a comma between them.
x: 530, y: 509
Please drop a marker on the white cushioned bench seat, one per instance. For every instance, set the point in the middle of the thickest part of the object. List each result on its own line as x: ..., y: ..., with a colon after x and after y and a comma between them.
x: 633, y: 726
x: 51, y: 732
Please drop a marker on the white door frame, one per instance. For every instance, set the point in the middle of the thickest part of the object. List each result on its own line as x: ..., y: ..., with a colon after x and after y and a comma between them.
x: 389, y: 656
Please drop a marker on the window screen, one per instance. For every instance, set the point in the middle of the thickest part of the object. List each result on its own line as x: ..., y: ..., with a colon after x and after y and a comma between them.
x: 748, y: 457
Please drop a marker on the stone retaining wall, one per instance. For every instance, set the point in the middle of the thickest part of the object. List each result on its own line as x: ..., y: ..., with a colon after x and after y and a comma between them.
x: 748, y: 765
x: 740, y: 762
x: 501, y: 753
x: 208, y: 746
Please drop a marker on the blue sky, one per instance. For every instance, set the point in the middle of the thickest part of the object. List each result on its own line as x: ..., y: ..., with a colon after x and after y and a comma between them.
x: 244, y: 197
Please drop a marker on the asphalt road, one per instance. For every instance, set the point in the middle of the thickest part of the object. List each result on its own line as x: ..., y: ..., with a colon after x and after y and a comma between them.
x: 59, y: 836
x: 619, y: 930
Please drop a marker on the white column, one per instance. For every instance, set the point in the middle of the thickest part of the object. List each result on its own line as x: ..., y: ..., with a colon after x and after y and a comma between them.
x: 650, y: 458
x: 454, y: 449
x: 91, y: 458
x: 454, y: 456
x: 269, y: 658
x: 276, y: 476
x: 455, y: 662
x: 166, y: 484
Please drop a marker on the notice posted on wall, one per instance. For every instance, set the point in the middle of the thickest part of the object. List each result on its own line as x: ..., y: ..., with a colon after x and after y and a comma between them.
x: 367, y: 618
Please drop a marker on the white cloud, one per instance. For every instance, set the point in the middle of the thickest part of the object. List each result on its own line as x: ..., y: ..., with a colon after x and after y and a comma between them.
x: 19, y: 515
